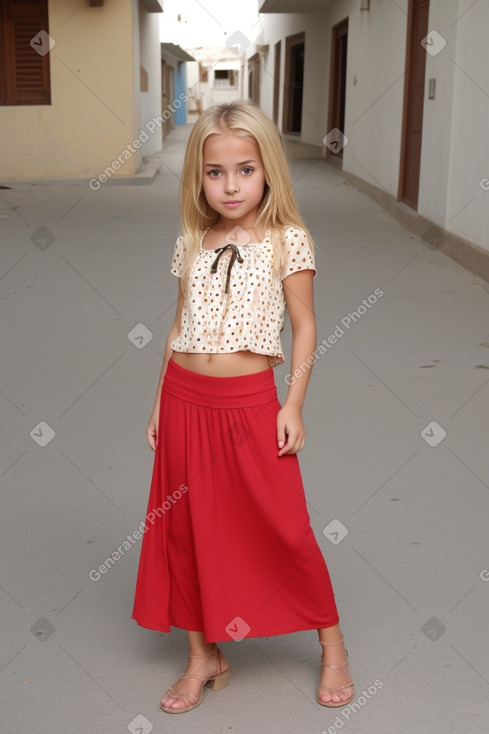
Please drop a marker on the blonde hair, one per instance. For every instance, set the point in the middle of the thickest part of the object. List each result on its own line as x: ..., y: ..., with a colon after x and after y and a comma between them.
x: 278, y: 208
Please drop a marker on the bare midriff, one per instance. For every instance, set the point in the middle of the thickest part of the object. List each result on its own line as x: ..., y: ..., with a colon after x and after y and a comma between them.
x: 222, y: 365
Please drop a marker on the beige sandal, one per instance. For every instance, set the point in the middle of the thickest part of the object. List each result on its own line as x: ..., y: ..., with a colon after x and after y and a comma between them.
x: 216, y: 682
x: 338, y: 669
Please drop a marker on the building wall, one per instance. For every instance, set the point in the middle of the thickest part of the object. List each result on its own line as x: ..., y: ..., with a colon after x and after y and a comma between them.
x: 374, y: 104
x: 455, y: 150
x: 203, y: 88
x: 455, y: 156
x: 181, y: 92
x: 149, y: 55
x: 95, y: 111
x: 277, y: 27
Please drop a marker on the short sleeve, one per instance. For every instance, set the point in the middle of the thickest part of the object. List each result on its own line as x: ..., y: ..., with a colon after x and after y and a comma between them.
x: 178, y: 258
x: 298, y: 253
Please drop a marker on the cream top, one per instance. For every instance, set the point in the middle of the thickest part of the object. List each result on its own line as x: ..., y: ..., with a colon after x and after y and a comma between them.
x: 251, y: 314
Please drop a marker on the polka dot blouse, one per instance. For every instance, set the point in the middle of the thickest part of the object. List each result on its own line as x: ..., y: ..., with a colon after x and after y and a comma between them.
x: 250, y: 315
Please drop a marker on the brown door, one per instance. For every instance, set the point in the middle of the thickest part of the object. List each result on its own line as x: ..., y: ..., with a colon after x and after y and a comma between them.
x: 254, y: 79
x: 413, y: 102
x: 293, y: 83
x: 339, y: 55
x: 276, y: 81
x: 167, y: 97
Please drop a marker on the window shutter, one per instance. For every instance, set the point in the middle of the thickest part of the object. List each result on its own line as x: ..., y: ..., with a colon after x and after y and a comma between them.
x: 25, y: 71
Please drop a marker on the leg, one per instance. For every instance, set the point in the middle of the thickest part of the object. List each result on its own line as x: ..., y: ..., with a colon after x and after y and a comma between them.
x: 336, y: 686
x: 206, y: 666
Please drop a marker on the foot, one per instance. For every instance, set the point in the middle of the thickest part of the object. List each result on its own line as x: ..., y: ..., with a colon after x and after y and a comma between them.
x: 187, y: 691
x: 336, y: 685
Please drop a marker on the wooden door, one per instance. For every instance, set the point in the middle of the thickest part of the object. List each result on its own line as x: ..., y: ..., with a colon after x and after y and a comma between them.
x: 254, y: 79
x: 276, y: 81
x: 413, y: 102
x: 293, y: 83
x: 337, y: 97
x: 167, y: 97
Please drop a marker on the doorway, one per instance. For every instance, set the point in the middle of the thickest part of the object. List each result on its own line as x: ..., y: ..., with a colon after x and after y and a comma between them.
x: 337, y: 85
x: 276, y: 81
x: 167, y: 96
x: 294, y: 84
x: 412, y: 124
x: 254, y: 79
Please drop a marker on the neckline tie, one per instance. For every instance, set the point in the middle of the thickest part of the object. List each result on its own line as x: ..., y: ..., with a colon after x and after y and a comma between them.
x: 235, y: 255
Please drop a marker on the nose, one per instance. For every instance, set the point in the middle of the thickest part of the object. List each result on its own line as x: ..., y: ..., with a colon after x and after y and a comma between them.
x: 231, y: 185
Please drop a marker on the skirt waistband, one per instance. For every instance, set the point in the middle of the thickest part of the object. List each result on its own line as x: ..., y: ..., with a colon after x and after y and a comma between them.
x: 243, y: 391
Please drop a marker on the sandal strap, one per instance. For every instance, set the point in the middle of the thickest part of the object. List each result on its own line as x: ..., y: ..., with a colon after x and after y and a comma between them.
x: 337, y: 669
x: 214, y: 651
x: 335, y: 690
x: 336, y: 642
x: 182, y: 696
x: 207, y: 655
x: 194, y: 675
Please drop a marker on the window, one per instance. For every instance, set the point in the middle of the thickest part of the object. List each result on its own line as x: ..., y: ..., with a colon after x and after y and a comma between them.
x: 24, y: 53
x: 225, y: 78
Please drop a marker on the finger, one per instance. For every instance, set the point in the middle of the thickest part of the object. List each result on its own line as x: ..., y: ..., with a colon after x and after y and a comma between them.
x: 293, y: 446
x: 286, y: 446
x: 281, y: 434
x: 151, y: 436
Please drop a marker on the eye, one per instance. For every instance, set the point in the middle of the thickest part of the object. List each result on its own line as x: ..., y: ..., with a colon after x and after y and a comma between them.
x: 214, y: 173
x: 247, y: 171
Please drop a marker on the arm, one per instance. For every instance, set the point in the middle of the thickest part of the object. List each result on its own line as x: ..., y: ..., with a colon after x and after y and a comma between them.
x: 298, y: 293
x: 152, y: 428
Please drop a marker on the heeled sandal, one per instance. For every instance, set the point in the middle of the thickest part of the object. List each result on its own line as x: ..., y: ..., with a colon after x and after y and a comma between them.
x: 337, y: 669
x: 216, y: 681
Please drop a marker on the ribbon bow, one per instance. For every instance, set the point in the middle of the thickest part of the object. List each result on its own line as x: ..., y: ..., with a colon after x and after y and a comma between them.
x: 235, y: 255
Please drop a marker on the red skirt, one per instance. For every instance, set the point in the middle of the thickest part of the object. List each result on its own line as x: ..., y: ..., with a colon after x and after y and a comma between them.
x: 227, y: 548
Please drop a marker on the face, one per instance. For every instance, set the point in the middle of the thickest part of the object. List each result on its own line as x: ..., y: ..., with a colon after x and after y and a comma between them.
x: 233, y: 177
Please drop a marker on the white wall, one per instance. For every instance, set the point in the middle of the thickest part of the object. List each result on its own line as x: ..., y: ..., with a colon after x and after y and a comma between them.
x: 455, y: 153
x: 150, y: 58
x: 455, y: 147
x: 277, y: 27
x: 374, y: 105
x: 438, y: 119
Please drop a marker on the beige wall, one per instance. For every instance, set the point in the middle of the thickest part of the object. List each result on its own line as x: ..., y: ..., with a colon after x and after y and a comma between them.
x: 94, y: 111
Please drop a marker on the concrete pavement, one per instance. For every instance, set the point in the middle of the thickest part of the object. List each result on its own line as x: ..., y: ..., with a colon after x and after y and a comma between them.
x: 395, y: 469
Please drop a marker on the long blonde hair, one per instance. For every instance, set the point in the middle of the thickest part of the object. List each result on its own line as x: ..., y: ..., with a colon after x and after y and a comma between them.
x: 278, y: 208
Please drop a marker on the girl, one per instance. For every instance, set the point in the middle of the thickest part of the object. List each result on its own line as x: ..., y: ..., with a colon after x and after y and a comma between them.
x: 229, y: 551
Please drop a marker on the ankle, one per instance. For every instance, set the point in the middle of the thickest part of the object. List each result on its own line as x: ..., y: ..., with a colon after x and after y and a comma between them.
x: 203, y: 650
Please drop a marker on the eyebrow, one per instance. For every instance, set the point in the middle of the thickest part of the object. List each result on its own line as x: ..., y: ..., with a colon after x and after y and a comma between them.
x: 218, y: 165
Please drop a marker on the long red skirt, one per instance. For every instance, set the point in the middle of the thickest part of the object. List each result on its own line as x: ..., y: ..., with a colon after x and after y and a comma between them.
x: 227, y: 548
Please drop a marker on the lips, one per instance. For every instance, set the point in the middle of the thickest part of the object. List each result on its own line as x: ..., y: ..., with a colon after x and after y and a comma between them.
x: 232, y: 204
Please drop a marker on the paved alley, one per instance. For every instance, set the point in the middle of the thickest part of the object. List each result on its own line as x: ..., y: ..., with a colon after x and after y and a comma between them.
x: 395, y: 469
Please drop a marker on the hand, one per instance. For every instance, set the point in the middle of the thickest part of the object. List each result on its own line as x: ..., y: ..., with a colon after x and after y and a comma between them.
x: 291, y: 433
x: 152, y: 429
